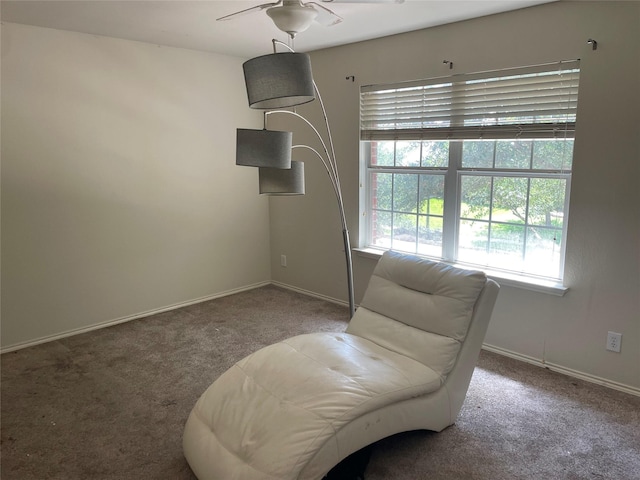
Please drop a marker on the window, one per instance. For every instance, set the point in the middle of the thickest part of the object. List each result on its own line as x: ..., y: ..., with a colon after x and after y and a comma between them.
x: 472, y: 169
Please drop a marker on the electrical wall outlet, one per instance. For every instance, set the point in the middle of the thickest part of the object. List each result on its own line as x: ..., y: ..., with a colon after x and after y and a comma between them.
x: 283, y: 260
x: 613, y: 341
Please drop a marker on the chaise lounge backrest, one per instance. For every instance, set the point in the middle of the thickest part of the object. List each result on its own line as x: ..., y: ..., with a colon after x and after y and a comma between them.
x: 419, y: 308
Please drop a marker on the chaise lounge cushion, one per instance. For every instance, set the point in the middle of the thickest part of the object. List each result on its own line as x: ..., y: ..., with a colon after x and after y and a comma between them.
x: 269, y: 414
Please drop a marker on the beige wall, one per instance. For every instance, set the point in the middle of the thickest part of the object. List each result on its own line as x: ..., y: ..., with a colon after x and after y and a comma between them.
x: 602, y: 265
x: 120, y: 193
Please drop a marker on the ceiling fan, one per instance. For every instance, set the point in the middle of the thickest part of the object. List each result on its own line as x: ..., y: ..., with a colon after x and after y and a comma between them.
x: 295, y: 16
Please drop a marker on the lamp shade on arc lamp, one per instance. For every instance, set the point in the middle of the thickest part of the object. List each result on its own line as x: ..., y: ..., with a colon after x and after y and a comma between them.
x: 263, y: 148
x: 279, y: 80
x: 277, y: 181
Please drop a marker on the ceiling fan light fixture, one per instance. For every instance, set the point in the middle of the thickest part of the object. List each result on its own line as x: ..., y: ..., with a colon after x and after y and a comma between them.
x: 292, y: 19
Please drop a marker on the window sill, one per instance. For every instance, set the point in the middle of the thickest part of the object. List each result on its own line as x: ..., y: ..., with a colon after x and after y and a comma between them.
x: 540, y: 285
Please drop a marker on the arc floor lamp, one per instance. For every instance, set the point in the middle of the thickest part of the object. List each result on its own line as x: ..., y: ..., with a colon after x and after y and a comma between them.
x: 275, y: 82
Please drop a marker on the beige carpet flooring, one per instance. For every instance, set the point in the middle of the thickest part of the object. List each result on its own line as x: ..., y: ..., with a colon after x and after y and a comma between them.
x: 111, y: 404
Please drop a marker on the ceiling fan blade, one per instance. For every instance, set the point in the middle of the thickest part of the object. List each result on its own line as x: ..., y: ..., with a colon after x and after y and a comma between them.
x: 363, y: 1
x: 325, y: 17
x: 249, y: 10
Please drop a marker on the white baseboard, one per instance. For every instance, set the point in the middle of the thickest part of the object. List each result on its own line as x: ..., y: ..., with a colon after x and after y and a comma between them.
x: 310, y: 293
x: 564, y: 370
x: 128, y: 318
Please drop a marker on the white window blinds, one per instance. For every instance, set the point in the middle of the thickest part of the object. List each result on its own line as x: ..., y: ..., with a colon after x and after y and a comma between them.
x: 528, y: 102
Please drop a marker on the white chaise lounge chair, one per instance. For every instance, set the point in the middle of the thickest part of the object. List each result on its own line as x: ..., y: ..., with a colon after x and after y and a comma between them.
x: 295, y: 409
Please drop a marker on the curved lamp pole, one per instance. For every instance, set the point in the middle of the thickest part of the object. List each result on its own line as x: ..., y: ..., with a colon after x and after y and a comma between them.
x: 331, y: 167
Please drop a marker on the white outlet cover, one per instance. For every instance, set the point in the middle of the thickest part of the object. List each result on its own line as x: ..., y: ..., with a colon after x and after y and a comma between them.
x: 613, y: 341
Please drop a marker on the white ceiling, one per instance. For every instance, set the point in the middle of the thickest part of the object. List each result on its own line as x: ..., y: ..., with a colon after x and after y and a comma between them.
x: 192, y: 24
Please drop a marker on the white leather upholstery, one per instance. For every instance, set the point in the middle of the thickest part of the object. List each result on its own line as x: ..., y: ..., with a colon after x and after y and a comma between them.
x: 418, y: 308
x: 294, y: 409
x: 277, y: 407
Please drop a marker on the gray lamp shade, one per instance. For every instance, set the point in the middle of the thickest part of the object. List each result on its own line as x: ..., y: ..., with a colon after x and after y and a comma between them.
x: 279, y: 80
x: 276, y: 181
x: 263, y: 148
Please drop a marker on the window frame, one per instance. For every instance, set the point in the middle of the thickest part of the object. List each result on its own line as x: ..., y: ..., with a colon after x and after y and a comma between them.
x: 451, y: 216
